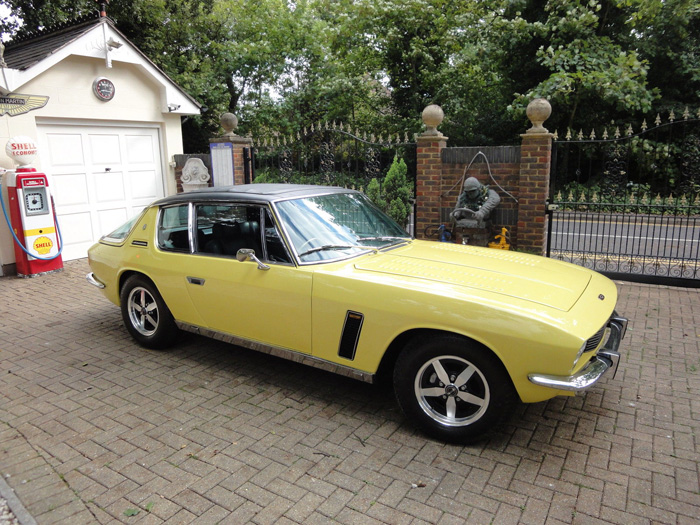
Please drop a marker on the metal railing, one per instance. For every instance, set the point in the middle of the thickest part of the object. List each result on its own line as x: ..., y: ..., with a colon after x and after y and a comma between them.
x: 628, y: 204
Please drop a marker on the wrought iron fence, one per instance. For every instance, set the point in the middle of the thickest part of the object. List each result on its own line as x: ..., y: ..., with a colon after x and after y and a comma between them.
x: 628, y: 203
x: 655, y: 241
x: 331, y: 154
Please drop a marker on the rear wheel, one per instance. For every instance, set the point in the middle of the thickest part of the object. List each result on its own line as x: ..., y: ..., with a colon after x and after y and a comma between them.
x: 145, y: 314
x: 452, y: 388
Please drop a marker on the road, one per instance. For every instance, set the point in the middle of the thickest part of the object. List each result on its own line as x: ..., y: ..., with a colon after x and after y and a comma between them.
x: 645, y: 243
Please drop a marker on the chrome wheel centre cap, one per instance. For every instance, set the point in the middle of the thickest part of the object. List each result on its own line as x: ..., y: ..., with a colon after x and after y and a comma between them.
x: 451, y: 390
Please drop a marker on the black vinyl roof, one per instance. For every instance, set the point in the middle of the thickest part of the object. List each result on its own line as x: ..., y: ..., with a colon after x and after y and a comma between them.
x: 251, y: 193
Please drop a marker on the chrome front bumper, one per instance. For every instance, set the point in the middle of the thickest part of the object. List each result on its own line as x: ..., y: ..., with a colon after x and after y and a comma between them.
x: 607, y: 358
x: 94, y: 281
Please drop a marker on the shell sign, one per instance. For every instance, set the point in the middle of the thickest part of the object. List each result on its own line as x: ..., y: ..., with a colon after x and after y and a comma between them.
x: 21, y: 149
x: 42, y: 245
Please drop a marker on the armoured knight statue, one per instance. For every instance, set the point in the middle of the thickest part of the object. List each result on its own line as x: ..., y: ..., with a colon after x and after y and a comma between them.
x: 474, y: 205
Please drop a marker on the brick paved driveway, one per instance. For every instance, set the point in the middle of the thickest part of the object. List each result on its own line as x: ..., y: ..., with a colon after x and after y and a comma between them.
x: 94, y: 429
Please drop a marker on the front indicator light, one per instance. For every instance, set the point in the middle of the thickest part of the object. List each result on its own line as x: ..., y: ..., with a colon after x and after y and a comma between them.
x: 579, y: 354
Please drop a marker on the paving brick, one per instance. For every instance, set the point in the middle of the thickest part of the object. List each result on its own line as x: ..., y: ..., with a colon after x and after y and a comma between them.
x: 73, y: 514
x: 335, y: 503
x: 304, y: 507
x: 94, y: 425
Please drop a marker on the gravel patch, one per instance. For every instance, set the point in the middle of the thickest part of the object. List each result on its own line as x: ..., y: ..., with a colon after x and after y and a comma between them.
x: 6, y: 516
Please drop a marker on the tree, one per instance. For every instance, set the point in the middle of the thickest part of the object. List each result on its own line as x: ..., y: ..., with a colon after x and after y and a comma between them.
x: 668, y: 39
x: 281, y: 65
x: 582, y: 58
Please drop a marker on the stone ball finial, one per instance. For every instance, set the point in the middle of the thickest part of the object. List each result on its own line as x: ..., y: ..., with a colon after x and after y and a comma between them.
x: 229, y: 122
x: 538, y: 110
x: 432, y: 118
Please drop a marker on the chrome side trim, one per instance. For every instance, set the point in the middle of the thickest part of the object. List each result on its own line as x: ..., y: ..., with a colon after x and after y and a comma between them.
x: 284, y: 353
x: 94, y: 280
x: 607, y: 358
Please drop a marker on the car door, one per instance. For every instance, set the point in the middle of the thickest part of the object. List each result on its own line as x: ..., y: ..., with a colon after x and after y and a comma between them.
x: 271, y: 306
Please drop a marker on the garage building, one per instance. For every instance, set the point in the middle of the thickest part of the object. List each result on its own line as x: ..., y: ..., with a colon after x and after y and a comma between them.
x: 106, y: 135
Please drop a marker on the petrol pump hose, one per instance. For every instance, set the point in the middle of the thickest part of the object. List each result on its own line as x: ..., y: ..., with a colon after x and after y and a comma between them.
x: 19, y: 243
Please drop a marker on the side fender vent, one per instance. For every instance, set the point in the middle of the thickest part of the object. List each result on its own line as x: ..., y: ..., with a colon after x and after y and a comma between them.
x: 351, y: 335
x: 144, y: 244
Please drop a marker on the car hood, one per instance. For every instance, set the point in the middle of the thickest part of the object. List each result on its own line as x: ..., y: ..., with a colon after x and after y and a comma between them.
x: 512, y: 274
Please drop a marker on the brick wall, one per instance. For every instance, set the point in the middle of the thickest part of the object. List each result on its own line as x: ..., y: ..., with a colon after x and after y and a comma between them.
x: 502, y: 163
x: 522, y: 172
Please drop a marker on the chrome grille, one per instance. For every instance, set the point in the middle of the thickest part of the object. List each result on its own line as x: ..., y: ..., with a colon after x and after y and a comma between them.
x: 594, y: 341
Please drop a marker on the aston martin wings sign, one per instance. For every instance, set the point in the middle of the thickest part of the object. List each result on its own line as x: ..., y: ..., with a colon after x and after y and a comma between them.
x: 15, y: 104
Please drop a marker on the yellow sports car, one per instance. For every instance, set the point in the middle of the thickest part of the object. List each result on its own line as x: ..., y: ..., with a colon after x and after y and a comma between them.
x: 320, y: 276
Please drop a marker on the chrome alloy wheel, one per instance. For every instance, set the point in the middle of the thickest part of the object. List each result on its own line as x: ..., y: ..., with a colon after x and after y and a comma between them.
x: 452, y: 391
x: 143, y: 311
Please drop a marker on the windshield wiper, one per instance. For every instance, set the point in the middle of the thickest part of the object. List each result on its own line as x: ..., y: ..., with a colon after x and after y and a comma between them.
x: 337, y: 247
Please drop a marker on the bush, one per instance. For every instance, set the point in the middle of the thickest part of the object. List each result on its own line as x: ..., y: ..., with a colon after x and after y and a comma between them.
x: 395, y: 196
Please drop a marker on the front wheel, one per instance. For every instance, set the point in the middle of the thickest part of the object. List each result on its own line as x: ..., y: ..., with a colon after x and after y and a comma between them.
x: 452, y: 388
x: 145, y: 314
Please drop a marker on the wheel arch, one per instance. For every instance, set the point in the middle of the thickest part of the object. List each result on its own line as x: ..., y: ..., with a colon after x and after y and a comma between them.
x: 125, y: 277
x: 386, y: 365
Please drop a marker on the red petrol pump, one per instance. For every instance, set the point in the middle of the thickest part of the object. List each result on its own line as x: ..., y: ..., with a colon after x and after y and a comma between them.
x: 33, y: 225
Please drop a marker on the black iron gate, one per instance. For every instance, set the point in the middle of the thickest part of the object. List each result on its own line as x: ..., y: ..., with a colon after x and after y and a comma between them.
x: 629, y: 205
x: 331, y: 154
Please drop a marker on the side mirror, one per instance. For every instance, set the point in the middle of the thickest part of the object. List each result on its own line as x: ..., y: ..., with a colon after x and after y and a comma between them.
x: 248, y: 254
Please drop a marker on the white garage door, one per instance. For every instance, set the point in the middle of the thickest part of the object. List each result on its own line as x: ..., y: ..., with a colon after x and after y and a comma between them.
x: 99, y: 177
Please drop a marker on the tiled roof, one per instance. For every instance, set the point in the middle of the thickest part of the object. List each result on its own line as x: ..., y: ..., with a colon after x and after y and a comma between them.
x: 32, y: 47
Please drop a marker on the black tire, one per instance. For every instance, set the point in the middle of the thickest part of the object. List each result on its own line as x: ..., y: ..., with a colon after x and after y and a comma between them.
x: 145, y: 314
x: 452, y: 388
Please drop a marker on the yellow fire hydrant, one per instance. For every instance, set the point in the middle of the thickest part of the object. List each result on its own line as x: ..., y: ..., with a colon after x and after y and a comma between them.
x: 502, y: 239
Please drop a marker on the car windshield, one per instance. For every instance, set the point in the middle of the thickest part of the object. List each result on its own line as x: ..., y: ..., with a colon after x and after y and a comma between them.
x: 337, y: 225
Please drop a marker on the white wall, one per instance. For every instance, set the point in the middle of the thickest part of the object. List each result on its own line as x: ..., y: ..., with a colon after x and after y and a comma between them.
x: 138, y: 99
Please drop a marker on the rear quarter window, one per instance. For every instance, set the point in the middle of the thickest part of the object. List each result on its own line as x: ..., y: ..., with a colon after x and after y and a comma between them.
x: 173, y: 233
x: 121, y: 233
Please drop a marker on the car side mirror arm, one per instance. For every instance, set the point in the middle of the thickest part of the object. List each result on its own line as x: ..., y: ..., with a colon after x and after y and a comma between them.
x: 248, y: 254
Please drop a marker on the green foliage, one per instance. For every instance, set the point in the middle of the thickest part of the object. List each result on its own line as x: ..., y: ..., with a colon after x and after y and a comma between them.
x: 276, y: 176
x: 374, y: 192
x: 394, y: 196
x: 375, y: 64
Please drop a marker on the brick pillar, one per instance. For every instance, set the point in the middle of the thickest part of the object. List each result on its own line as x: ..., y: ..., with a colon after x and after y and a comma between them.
x: 535, y: 162
x: 429, y: 171
x: 233, y: 147
x: 227, y: 154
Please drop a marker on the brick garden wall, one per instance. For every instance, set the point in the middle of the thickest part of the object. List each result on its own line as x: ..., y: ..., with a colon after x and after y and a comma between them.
x: 504, y: 164
x: 522, y: 172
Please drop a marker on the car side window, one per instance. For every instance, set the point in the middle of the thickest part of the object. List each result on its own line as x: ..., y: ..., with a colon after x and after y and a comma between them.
x: 223, y: 229
x: 172, y: 229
